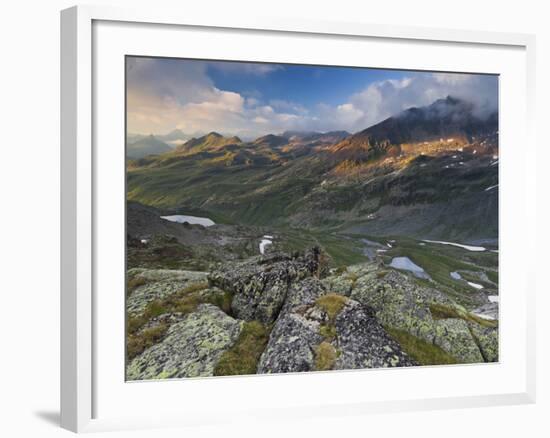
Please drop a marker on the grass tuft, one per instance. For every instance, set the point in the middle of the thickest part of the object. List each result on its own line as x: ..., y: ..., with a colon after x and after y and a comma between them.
x: 421, y: 351
x: 243, y: 357
x: 133, y: 283
x: 184, y: 301
x: 138, y: 343
x: 327, y: 331
x: 325, y: 356
x: 332, y: 304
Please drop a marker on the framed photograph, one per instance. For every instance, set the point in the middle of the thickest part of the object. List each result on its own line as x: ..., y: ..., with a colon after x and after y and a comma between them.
x: 257, y: 209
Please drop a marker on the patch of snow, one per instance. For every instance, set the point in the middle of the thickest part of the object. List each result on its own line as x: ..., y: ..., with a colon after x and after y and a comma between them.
x: 389, y: 245
x: 455, y: 275
x: 145, y: 241
x: 493, y: 298
x: 194, y: 220
x: 475, y: 285
x: 392, y: 241
x: 494, y: 163
x: 263, y: 244
x: 455, y: 156
x: 468, y: 247
x: 491, y: 188
x: 267, y: 236
x: 381, y: 250
x: 495, y: 157
x: 494, y: 250
x: 483, y: 316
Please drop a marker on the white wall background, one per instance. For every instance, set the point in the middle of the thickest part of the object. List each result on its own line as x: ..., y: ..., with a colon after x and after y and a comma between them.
x: 29, y: 196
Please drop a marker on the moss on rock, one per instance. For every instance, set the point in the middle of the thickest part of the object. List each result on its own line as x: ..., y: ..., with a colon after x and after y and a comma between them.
x: 325, y: 356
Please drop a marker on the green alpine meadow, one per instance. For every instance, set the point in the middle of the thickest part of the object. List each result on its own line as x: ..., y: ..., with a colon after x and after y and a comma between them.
x: 286, y: 218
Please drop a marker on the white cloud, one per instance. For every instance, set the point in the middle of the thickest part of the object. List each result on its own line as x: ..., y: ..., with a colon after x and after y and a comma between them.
x: 383, y: 99
x: 167, y: 94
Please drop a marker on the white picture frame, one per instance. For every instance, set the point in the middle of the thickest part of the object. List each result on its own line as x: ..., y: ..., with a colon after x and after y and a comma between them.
x: 80, y: 168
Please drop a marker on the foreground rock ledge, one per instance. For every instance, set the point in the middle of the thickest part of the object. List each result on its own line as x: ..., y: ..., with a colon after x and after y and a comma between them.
x: 191, y: 348
x: 355, y: 337
x: 317, y: 322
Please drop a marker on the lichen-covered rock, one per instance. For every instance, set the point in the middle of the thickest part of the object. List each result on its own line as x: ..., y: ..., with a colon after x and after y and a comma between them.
x: 303, y: 293
x: 291, y: 346
x: 363, y: 343
x: 304, y: 323
x: 158, y: 284
x: 340, y: 283
x: 453, y: 336
x: 260, y: 284
x: 398, y: 301
x: 401, y: 303
x: 295, y: 335
x: 191, y: 347
x: 487, y: 341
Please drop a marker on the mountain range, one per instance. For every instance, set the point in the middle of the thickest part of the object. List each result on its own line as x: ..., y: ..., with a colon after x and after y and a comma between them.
x: 427, y: 171
x: 139, y: 145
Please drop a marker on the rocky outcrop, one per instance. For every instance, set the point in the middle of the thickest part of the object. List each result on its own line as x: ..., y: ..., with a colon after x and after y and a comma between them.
x: 401, y: 303
x: 191, y: 347
x: 296, y: 333
x: 291, y: 346
x: 260, y: 285
x: 343, y: 326
x: 453, y: 336
x: 398, y: 301
x: 157, y: 284
x: 363, y: 343
x: 335, y: 322
x: 487, y: 341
